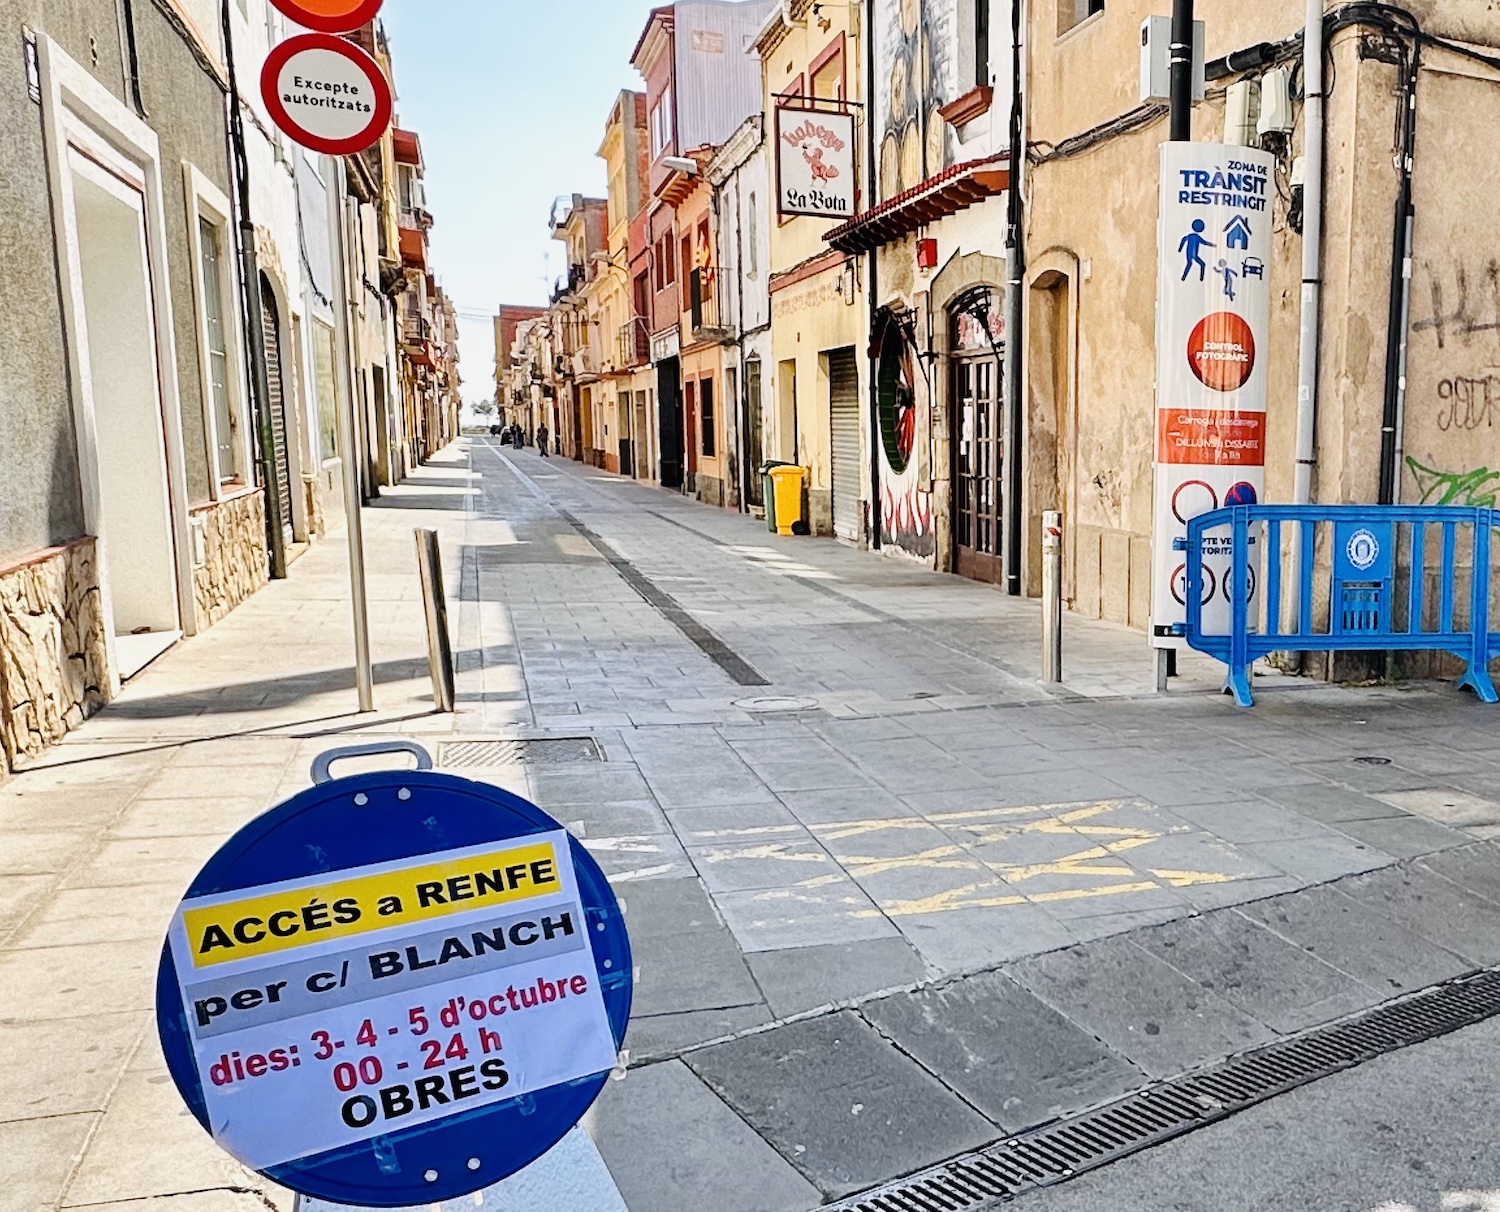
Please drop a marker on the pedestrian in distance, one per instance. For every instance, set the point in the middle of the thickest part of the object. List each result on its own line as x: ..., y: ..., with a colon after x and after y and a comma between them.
x: 518, y: 438
x: 541, y: 440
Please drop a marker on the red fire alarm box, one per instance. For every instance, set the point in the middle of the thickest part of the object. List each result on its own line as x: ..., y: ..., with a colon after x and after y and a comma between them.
x: 926, y: 254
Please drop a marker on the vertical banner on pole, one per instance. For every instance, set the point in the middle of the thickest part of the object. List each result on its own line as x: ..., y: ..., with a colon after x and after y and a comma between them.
x: 1213, y: 328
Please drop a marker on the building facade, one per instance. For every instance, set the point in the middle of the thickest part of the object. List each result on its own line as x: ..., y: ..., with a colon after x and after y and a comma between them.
x: 134, y: 511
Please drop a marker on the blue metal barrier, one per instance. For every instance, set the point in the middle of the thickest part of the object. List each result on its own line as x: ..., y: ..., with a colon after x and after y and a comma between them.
x: 1377, y: 584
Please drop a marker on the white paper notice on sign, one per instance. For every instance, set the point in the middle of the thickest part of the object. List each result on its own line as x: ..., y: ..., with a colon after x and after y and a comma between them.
x: 367, y: 1001
x: 815, y: 162
x: 1213, y: 326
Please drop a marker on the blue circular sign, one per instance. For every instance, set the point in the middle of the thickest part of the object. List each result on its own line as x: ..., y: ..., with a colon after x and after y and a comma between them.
x: 394, y: 989
x: 1241, y: 494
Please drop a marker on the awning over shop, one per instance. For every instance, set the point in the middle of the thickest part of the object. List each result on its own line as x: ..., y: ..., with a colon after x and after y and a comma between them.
x: 952, y: 190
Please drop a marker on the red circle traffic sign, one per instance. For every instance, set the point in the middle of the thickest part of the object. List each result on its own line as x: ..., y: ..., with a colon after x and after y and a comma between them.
x: 1221, y: 351
x: 329, y: 16
x: 326, y: 93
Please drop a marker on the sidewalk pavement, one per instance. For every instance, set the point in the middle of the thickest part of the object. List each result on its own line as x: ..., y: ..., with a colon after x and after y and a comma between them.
x: 889, y: 897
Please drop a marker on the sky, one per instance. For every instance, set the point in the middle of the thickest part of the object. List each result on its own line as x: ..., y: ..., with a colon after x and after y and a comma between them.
x: 510, y: 98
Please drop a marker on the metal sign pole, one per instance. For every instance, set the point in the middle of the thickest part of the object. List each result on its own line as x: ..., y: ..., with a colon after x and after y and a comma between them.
x: 364, y: 678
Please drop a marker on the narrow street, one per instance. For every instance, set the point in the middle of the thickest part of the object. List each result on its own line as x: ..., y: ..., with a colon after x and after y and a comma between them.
x: 890, y: 899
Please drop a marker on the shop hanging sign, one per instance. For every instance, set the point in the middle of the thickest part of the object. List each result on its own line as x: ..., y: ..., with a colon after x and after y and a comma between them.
x: 814, y: 163
x: 326, y: 93
x: 394, y: 989
x: 1213, y: 328
x: 329, y: 16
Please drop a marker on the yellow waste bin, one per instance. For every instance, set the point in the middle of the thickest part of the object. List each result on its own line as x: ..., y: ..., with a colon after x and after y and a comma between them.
x: 788, y: 491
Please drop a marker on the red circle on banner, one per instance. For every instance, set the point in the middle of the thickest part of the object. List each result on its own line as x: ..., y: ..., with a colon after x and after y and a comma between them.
x: 334, y: 116
x: 329, y: 16
x: 1221, y: 351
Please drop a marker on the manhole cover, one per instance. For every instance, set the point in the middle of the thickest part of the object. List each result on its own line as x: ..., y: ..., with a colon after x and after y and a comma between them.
x: 554, y: 751
x: 770, y: 703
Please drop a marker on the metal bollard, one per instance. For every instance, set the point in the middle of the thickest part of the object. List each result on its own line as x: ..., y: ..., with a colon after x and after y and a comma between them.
x: 439, y: 647
x: 1052, y: 661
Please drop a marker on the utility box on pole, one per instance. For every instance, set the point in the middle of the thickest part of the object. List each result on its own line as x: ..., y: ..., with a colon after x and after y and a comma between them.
x: 1156, y: 60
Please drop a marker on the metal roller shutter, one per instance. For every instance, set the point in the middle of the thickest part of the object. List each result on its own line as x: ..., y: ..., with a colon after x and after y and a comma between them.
x: 843, y: 380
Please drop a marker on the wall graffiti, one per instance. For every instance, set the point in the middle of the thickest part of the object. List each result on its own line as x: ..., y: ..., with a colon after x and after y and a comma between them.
x: 1479, y: 489
x: 916, y: 67
x: 1466, y: 307
x: 1467, y: 404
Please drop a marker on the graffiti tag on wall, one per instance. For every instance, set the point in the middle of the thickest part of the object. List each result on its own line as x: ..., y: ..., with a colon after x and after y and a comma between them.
x: 1479, y: 489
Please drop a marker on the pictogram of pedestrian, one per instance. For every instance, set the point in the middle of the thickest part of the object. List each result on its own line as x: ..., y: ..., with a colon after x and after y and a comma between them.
x: 1229, y: 277
x: 1192, y: 246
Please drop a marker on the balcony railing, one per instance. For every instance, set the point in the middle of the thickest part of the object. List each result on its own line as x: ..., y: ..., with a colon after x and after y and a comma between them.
x: 703, y: 304
x: 634, y: 343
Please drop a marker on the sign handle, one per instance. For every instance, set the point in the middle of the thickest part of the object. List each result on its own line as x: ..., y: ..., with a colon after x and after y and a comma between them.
x: 321, y: 767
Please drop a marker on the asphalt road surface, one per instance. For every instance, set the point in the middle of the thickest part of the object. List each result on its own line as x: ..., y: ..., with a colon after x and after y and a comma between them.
x: 1415, y: 1131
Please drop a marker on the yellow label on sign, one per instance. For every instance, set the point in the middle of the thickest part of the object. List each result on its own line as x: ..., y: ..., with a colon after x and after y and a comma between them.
x: 281, y: 921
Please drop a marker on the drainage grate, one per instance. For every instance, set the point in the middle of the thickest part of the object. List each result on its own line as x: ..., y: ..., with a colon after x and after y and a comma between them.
x: 554, y: 751
x: 1159, y: 1113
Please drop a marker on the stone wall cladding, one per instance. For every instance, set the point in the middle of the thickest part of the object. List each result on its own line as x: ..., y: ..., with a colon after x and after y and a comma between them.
x: 235, y: 558
x: 53, y: 656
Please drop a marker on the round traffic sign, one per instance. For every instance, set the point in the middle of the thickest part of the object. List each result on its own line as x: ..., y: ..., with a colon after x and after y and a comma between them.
x: 394, y: 989
x: 1221, y: 351
x: 329, y: 16
x: 326, y: 93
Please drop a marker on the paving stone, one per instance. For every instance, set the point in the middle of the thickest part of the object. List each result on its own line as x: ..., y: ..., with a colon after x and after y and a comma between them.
x: 1008, y: 1053
x: 843, y: 1105
x: 1403, y: 837
x: 963, y: 940
x: 773, y: 862
x: 1355, y: 939
x: 1143, y: 1008
x: 39, y: 853
x: 148, y: 1144
x: 802, y: 978
x: 734, y: 823
x: 45, y: 984
x: 19, y: 895
x: 1318, y: 860
x: 1328, y: 803
x: 650, y: 856
x: 708, y: 790
x: 1459, y: 809
x: 836, y: 910
x: 1360, y: 776
x: 1476, y: 868
x: 122, y: 862
x: 685, y: 958
x: 672, y: 1145
x: 36, y: 1156
x: 1107, y: 925
x: 79, y: 916
x: 70, y: 1064
x: 656, y: 1036
x: 1437, y: 909
x: 216, y: 818
x: 615, y: 818
x: 1280, y: 984
x: 1251, y: 821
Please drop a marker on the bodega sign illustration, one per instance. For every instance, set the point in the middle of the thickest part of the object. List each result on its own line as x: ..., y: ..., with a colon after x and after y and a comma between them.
x: 1213, y: 319
x: 324, y: 1024
x: 815, y: 162
x: 326, y: 93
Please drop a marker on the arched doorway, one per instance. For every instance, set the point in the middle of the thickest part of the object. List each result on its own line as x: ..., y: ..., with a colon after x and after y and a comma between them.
x: 976, y: 357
